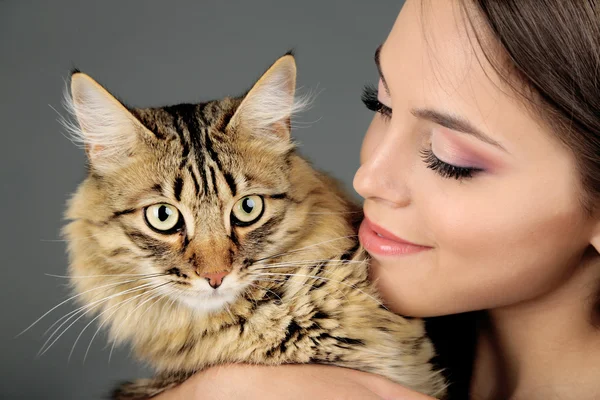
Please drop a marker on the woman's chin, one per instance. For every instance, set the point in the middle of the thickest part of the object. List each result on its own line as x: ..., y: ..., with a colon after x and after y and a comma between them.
x: 405, y: 294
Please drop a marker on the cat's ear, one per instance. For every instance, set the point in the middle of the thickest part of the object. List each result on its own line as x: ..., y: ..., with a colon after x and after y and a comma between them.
x: 268, y: 107
x: 106, y: 127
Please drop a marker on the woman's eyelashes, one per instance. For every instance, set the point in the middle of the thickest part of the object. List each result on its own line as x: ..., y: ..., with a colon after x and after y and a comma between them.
x: 369, y: 98
x: 446, y: 170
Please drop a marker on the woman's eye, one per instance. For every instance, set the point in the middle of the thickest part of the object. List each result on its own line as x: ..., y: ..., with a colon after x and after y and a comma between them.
x: 247, y: 210
x: 163, y: 218
x: 369, y: 98
x: 446, y: 170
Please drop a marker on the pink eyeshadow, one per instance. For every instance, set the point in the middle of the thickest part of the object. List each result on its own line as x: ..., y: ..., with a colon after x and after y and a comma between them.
x: 453, y: 149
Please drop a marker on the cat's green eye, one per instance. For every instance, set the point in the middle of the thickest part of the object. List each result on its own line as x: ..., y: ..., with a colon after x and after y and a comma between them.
x: 163, y: 217
x: 247, y: 210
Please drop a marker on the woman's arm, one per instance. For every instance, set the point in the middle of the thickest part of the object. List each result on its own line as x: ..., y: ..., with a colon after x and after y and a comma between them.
x: 291, y: 382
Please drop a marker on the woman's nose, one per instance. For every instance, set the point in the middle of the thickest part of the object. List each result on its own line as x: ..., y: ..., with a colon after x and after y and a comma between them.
x: 381, y: 176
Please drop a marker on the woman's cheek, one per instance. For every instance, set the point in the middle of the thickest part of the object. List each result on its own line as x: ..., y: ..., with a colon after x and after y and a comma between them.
x: 460, y: 226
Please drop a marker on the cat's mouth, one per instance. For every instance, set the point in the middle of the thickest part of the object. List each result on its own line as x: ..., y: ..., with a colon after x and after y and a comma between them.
x: 201, y: 297
x: 209, y: 301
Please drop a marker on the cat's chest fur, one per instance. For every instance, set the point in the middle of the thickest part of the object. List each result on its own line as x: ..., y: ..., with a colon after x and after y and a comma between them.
x: 323, y: 313
x: 287, y: 317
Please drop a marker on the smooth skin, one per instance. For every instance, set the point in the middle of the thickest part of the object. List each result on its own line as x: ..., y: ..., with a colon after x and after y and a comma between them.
x: 512, y: 239
x: 290, y: 382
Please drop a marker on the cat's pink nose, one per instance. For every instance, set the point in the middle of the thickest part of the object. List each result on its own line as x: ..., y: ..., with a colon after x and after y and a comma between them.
x: 215, y: 279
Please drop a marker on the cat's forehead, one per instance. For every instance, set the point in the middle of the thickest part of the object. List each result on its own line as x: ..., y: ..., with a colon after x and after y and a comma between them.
x: 200, y: 151
x: 188, y: 119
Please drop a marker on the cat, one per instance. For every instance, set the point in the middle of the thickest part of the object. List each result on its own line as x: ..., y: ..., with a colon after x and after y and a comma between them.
x: 201, y: 237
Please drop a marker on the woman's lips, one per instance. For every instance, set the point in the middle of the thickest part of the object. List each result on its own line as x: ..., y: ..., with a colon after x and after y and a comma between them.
x: 378, y: 241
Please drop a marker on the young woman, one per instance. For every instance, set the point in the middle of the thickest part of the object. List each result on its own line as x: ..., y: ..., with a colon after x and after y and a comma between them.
x: 481, y: 175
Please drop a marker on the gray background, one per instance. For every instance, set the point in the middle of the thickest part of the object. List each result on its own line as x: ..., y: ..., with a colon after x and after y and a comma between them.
x: 147, y: 53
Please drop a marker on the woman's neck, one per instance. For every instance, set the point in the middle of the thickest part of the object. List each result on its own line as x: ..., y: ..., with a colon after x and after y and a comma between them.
x: 543, y: 348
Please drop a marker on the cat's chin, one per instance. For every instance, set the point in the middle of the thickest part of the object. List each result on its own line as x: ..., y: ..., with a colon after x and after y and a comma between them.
x: 209, y: 302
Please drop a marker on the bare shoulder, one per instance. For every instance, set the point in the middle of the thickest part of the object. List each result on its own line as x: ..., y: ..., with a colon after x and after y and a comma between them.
x: 289, y: 382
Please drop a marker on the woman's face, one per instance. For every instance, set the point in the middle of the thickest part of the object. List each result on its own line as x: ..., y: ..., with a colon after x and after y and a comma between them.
x: 461, y: 169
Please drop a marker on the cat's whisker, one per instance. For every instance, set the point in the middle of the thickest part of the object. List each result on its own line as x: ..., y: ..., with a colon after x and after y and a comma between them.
x: 174, y: 293
x: 298, y: 295
x: 296, y: 266
x: 291, y: 299
x: 90, y: 304
x: 334, y: 213
x: 65, y: 316
x: 107, y: 275
x: 114, y: 341
x: 317, y: 261
x: 322, y: 278
x: 247, y: 294
x: 176, y: 298
x: 73, y: 297
x: 121, y: 305
x: 158, y: 297
x: 267, y: 289
x: 305, y: 248
x: 83, y: 310
x: 92, y: 236
x: 292, y: 264
x: 308, y: 265
x: 87, y: 308
x: 155, y: 295
x: 233, y: 319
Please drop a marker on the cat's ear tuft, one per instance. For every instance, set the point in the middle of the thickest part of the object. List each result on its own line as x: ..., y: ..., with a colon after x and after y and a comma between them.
x: 105, y: 127
x: 268, y: 107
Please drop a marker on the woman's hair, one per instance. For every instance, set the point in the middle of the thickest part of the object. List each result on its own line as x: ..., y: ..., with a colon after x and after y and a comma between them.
x: 553, y: 48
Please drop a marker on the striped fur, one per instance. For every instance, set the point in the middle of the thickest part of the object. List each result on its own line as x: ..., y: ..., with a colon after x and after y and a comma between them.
x: 297, y: 289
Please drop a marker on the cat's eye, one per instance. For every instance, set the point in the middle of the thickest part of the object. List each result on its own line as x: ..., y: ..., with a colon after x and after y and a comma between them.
x: 247, y: 210
x: 163, y: 218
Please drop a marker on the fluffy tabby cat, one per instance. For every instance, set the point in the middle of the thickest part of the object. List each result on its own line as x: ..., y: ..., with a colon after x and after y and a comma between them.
x: 201, y: 237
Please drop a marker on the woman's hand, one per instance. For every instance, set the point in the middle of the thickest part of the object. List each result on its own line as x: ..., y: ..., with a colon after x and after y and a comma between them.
x: 290, y: 382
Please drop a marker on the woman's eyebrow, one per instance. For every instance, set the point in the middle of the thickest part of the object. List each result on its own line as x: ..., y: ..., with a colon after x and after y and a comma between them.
x: 449, y: 121
x: 378, y: 64
x: 455, y: 123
